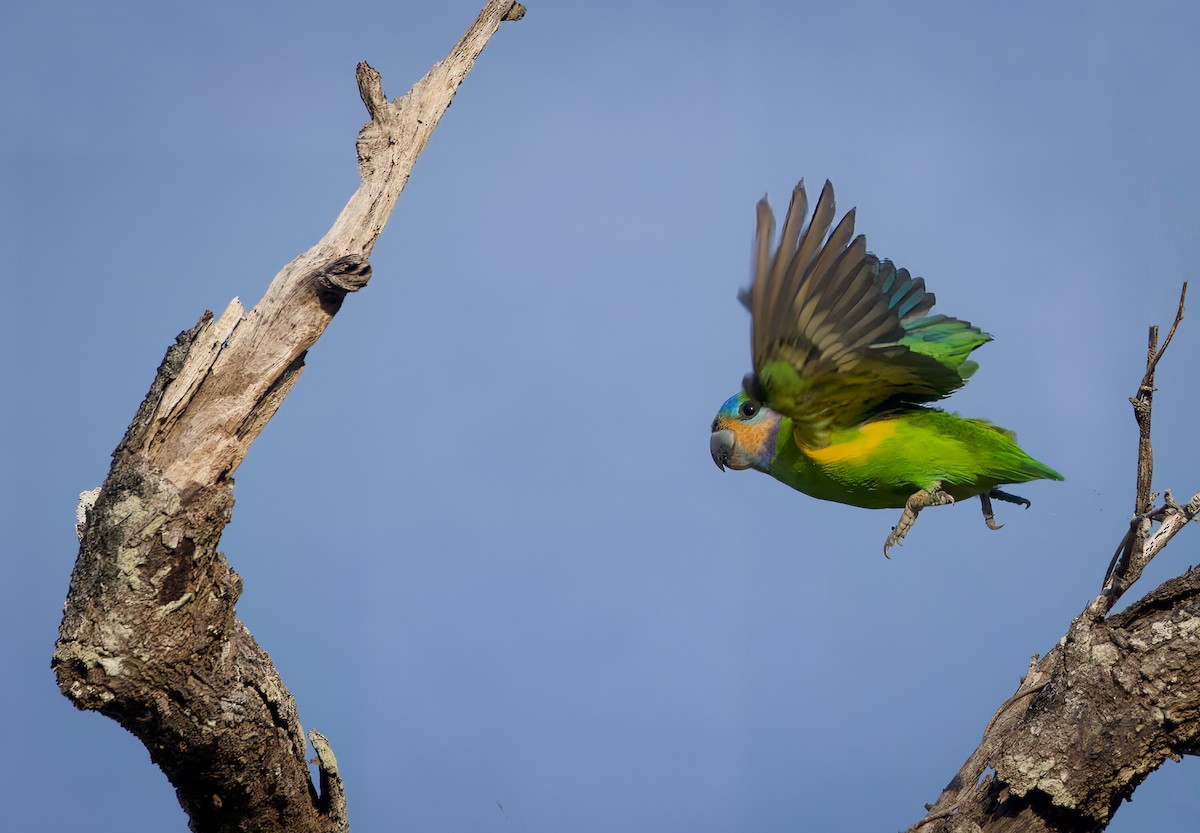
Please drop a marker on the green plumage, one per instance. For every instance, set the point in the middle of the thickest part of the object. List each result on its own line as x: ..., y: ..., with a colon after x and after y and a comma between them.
x: 947, y: 340
x: 925, y: 448
x: 847, y: 355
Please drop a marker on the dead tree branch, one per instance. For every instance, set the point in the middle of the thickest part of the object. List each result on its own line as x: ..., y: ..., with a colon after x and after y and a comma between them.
x: 1132, y: 553
x: 149, y: 636
x: 1116, y: 697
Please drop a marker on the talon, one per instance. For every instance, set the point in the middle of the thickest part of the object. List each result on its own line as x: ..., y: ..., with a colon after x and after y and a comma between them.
x: 988, y: 517
x: 891, y: 542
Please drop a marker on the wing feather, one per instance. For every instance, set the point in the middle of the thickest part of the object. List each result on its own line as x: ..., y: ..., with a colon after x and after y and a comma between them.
x: 828, y: 324
x: 814, y: 235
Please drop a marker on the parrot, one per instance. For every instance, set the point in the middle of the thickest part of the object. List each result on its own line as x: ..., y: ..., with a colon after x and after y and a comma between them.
x: 847, y: 357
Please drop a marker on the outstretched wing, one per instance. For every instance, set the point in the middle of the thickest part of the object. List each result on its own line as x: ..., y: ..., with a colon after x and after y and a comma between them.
x: 837, y: 335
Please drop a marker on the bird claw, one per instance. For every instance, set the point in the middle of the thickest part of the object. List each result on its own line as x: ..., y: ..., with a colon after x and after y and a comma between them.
x: 988, y: 517
x: 894, y: 539
x: 986, y: 500
x: 922, y: 499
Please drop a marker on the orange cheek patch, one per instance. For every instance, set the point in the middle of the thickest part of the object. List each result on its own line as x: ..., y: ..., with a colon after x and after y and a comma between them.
x: 752, y: 439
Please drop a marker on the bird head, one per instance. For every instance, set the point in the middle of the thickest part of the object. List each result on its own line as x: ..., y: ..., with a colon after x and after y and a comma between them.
x: 743, y: 434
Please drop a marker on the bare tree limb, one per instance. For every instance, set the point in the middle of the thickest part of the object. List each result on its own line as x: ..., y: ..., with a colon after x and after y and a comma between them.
x: 149, y: 636
x: 1109, y: 703
x: 1132, y: 554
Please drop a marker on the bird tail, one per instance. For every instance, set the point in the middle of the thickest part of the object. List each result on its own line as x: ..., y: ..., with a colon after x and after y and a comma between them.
x: 1021, y: 468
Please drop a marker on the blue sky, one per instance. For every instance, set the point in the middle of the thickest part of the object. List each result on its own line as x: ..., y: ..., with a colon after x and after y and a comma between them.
x: 483, y: 539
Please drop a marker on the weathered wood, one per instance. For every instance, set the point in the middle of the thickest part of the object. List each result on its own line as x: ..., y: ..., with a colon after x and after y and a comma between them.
x: 1106, y: 707
x: 149, y: 635
x: 1135, y: 551
x: 1113, y: 700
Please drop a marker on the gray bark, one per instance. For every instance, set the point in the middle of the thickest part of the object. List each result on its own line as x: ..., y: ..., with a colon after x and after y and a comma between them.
x: 149, y: 635
x: 1107, y: 706
x: 1114, y: 699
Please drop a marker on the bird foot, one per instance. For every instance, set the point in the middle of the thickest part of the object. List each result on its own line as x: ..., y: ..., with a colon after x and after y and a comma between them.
x: 922, y: 499
x: 988, y: 517
x: 986, y: 500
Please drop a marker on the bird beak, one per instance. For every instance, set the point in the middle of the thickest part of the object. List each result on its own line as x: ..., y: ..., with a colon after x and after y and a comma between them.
x: 721, y: 444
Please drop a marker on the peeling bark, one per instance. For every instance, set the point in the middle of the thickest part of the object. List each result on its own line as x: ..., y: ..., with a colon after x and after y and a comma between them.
x: 1115, y: 698
x: 149, y: 635
x: 1106, y: 707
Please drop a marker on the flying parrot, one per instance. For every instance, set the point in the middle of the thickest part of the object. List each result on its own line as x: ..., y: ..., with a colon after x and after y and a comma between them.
x: 846, y: 357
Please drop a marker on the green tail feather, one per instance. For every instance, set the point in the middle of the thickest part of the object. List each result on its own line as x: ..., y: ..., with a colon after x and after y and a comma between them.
x: 1020, y: 463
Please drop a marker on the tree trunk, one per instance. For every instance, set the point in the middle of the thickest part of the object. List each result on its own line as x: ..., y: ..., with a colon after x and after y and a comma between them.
x: 1101, y: 711
x: 149, y: 636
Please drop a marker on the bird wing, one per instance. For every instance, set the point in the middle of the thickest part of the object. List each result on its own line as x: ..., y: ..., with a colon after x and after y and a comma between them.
x: 838, y: 335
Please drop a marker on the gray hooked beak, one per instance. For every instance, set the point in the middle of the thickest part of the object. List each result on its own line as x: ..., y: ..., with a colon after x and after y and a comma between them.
x: 721, y: 444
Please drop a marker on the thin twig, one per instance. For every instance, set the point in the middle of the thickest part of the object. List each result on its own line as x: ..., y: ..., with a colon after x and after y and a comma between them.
x: 1170, y: 334
x: 1133, y: 553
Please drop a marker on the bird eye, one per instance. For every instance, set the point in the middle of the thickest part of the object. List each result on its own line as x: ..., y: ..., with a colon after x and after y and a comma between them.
x: 748, y: 409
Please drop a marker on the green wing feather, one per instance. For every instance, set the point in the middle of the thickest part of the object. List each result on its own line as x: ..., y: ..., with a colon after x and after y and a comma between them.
x: 838, y: 336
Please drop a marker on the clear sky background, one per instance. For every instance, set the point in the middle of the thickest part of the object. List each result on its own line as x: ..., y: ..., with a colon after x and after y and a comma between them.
x: 483, y: 539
